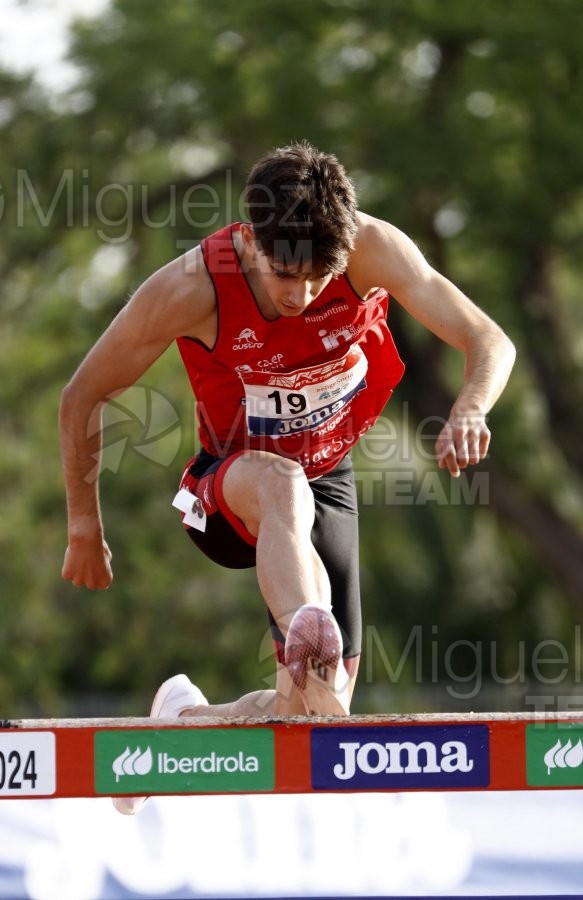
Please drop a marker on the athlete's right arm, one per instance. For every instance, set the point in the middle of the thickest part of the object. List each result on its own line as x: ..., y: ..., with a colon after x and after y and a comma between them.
x: 177, y: 300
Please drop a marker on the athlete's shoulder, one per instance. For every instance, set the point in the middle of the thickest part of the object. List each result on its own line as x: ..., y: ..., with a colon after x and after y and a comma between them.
x: 383, y: 256
x: 184, y: 274
x: 374, y: 234
x: 179, y: 296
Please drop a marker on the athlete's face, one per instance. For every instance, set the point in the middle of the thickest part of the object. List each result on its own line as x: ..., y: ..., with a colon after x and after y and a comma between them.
x: 290, y: 288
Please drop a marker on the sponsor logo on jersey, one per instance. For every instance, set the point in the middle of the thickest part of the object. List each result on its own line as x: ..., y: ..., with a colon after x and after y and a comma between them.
x: 331, y: 308
x: 270, y: 365
x: 397, y: 757
x: 247, y: 340
x: 315, y: 374
x: 334, y: 339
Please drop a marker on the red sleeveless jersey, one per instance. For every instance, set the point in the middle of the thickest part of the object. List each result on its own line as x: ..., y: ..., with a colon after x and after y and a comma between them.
x: 305, y: 387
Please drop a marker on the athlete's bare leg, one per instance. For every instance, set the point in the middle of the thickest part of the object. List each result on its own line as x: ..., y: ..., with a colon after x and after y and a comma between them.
x: 272, y: 497
x: 285, y: 700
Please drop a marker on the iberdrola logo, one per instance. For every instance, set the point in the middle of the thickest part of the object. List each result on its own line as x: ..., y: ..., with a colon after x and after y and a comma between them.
x: 569, y: 756
x: 133, y: 763
x: 554, y: 754
x: 184, y: 760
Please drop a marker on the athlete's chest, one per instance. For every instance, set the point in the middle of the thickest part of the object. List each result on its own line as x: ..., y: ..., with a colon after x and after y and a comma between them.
x: 250, y: 341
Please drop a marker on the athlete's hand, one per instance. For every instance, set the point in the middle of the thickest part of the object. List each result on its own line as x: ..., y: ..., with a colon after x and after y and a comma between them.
x: 87, y: 563
x: 463, y: 441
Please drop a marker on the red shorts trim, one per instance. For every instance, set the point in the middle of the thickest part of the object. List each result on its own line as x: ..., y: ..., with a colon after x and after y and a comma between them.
x: 233, y: 520
x: 225, y: 539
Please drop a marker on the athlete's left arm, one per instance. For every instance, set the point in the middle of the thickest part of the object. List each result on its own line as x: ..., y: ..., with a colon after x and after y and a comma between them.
x: 385, y: 257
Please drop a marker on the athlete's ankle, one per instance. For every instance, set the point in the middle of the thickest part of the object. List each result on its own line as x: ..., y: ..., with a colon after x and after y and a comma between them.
x: 193, y: 711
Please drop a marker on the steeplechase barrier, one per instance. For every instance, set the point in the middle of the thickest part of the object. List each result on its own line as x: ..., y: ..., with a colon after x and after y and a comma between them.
x: 56, y: 758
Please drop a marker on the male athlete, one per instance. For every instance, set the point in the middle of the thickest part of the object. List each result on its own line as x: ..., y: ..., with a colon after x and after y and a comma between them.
x: 281, y: 324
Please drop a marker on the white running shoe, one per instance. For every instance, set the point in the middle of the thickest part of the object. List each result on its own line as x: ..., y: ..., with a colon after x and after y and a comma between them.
x: 172, y: 698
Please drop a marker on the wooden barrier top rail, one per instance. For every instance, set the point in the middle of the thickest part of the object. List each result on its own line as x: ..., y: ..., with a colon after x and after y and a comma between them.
x: 300, y: 754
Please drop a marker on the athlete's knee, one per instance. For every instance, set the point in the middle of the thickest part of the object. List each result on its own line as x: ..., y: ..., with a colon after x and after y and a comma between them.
x: 283, y: 481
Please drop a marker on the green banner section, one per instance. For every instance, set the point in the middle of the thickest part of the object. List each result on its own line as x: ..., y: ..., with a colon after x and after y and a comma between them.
x: 184, y: 761
x: 554, y: 755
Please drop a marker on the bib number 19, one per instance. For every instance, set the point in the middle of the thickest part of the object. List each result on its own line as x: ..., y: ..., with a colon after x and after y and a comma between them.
x: 296, y: 402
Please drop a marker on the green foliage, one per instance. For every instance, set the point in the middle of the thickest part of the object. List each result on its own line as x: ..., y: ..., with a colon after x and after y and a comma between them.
x: 461, y: 124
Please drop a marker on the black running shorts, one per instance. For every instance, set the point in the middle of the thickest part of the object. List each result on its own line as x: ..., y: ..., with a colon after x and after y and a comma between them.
x: 335, y: 536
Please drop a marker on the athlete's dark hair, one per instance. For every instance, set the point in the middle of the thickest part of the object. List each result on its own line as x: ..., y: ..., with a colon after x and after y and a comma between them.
x: 302, y: 206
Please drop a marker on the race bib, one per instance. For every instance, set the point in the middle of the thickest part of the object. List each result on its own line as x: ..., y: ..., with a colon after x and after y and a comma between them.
x: 280, y: 404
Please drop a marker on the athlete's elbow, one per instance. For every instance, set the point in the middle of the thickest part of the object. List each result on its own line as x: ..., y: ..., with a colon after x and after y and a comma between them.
x: 505, y: 349
x: 70, y: 396
x: 76, y: 404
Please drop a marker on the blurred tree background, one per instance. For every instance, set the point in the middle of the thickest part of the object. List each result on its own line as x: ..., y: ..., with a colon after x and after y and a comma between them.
x: 461, y: 124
